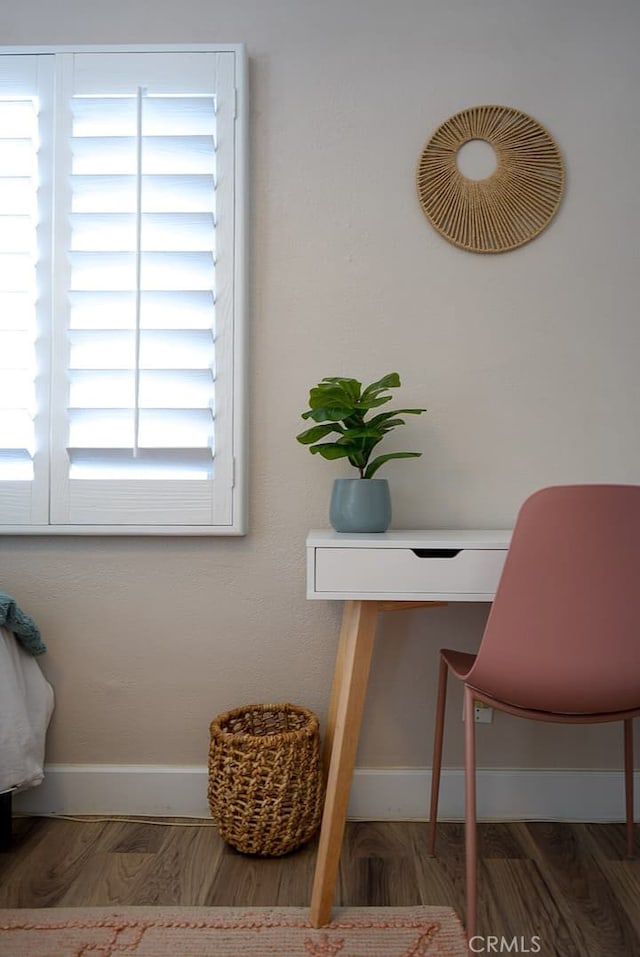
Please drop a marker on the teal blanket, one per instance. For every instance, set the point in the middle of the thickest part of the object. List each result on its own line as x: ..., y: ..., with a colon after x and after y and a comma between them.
x: 24, y: 628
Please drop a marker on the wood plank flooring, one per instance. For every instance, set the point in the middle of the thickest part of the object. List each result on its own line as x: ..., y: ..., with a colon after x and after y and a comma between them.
x: 560, y: 889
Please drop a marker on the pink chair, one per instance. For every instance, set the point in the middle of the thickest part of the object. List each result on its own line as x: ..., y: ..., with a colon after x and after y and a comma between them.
x: 562, y: 641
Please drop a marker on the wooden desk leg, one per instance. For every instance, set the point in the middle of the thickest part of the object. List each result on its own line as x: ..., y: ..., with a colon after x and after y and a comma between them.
x: 349, y: 614
x: 345, y: 716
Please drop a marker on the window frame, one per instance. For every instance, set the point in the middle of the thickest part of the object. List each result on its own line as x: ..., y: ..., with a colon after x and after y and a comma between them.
x: 238, y: 392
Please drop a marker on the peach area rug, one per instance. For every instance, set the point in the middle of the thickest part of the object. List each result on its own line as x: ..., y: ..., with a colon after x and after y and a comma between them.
x: 230, y: 932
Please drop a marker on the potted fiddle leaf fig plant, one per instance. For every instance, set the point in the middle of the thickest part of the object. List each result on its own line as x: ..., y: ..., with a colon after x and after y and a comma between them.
x: 349, y: 425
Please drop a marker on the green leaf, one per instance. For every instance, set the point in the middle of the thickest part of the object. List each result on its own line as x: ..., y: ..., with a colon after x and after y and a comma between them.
x: 390, y: 381
x: 351, y: 386
x: 328, y: 413
x: 373, y: 467
x: 383, y: 416
x: 346, y: 391
x: 316, y: 433
x: 390, y: 425
x: 373, y: 401
x: 332, y: 450
x: 363, y: 432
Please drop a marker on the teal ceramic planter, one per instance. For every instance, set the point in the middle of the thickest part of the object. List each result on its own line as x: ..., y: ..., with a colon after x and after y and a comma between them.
x: 360, y: 505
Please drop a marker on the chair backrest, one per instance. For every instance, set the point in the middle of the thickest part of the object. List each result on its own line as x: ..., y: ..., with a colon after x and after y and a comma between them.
x: 563, y: 633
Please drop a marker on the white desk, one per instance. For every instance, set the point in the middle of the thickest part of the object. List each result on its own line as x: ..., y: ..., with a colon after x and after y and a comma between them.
x: 371, y: 574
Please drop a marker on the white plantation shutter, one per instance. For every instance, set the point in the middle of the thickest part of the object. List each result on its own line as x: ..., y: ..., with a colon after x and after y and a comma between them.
x: 25, y: 121
x: 146, y: 417
x: 18, y: 202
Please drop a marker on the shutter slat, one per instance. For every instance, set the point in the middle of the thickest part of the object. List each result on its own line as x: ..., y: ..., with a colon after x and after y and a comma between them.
x: 16, y: 391
x: 18, y: 118
x: 181, y: 155
x: 180, y: 193
x: 161, y: 232
x: 16, y: 465
x: 175, y: 270
x: 16, y: 310
x: 160, y: 349
x: 16, y: 349
x: 15, y: 427
x: 159, y: 428
x: 16, y: 155
x: 188, y: 389
x: 17, y: 272
x: 160, y: 310
x: 176, y: 465
x: 185, y: 116
x: 16, y: 233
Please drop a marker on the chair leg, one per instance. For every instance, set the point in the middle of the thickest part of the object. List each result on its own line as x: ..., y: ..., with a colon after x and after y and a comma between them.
x: 437, y: 753
x: 471, y: 849
x: 628, y: 781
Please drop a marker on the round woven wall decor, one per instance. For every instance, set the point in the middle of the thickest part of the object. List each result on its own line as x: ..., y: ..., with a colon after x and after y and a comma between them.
x: 506, y: 209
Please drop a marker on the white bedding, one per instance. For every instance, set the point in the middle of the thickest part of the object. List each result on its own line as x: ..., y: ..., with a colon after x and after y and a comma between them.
x: 26, y: 706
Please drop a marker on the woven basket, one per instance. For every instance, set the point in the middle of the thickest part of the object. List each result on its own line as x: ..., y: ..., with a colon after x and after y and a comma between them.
x: 265, y: 780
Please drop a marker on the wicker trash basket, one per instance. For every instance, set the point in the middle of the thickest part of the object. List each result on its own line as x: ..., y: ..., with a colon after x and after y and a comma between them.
x: 265, y: 780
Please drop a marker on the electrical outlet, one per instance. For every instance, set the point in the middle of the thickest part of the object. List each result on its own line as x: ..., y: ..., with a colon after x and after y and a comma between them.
x: 482, y: 713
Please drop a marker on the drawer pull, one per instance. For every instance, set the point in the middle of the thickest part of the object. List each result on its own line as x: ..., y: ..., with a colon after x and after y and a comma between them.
x: 436, y: 552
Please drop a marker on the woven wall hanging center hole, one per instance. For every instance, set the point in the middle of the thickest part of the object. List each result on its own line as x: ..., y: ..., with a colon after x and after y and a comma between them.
x: 476, y: 159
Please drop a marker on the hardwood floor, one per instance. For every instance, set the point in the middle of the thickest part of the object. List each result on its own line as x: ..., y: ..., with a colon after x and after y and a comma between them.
x: 560, y: 889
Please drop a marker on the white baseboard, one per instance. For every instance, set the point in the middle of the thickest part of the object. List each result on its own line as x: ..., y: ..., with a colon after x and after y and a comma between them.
x: 503, y: 794
x: 393, y: 794
x: 152, y: 790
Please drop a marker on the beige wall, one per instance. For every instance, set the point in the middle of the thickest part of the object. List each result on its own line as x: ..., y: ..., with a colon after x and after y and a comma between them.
x: 527, y: 362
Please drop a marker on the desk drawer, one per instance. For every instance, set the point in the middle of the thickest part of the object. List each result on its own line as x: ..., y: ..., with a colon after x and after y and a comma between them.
x: 406, y: 571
